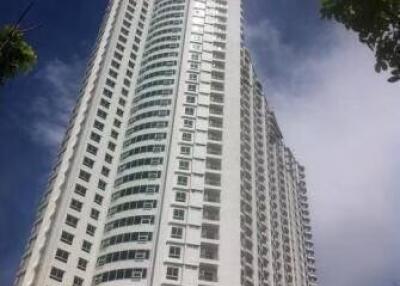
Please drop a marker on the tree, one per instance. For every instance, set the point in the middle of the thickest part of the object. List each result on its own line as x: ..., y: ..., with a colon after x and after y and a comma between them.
x: 16, y: 55
x: 377, y: 23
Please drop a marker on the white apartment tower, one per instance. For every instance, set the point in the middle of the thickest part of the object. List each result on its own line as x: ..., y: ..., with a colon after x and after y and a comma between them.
x: 173, y: 170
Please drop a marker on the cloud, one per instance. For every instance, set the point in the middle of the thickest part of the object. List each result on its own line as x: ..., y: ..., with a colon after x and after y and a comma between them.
x: 342, y: 120
x: 51, y: 109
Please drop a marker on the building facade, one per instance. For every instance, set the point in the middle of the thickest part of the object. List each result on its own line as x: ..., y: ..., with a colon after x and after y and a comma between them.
x: 173, y: 170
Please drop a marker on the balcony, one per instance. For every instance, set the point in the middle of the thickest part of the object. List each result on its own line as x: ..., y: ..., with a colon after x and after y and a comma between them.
x: 208, y: 272
x: 209, y: 231
x: 209, y: 251
x: 211, y: 213
x: 212, y: 196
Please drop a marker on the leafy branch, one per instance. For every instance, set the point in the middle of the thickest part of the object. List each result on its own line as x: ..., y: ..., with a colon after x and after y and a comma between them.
x: 377, y: 23
x: 16, y: 55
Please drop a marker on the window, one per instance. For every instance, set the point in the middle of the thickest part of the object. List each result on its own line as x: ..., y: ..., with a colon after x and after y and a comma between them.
x: 172, y: 273
x: 117, y: 123
x: 106, y: 92
x: 62, y: 255
x: 211, y: 195
x: 111, y: 146
x: 102, y: 114
x: 76, y: 205
x: 71, y: 221
x: 82, y: 264
x: 214, y: 149
x: 215, y: 135
x: 105, y: 171
x: 80, y: 190
x: 187, y: 136
x: 116, y: 65
x: 194, y: 66
x: 120, y: 112
x: 185, y: 150
x: 98, y: 125
x: 179, y: 214
x: 56, y: 274
x: 124, y: 91
x: 176, y: 232
x: 129, y: 74
x: 212, y: 179
x: 94, y: 214
x: 118, y: 56
x: 95, y: 137
x: 86, y: 246
x: 108, y: 158
x: 209, y: 251
x: 182, y: 181
x: 208, y: 272
x: 90, y: 230
x: 114, y: 134
x: 188, y: 123
x: 141, y: 254
x: 180, y: 197
x: 98, y: 199
x: 193, y: 76
x: 84, y: 176
x: 148, y: 205
x: 105, y: 103
x: 174, y: 252
x: 211, y: 213
x: 91, y: 149
x: 213, y: 164
x: 110, y: 83
x: 189, y: 111
x: 192, y: 87
x: 67, y: 238
x: 77, y: 281
x: 88, y: 162
x: 184, y: 165
x: 127, y: 82
x: 190, y: 99
x: 195, y: 56
x: 119, y: 46
x: 143, y: 236
x: 102, y: 185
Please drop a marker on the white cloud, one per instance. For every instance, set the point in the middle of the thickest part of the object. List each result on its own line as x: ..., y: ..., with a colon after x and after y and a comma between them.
x: 342, y: 120
x: 52, y: 108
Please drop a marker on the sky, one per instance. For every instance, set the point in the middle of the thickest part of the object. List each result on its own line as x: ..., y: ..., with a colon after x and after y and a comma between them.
x: 340, y: 118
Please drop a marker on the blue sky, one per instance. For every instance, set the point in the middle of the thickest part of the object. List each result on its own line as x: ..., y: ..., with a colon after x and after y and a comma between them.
x: 340, y: 118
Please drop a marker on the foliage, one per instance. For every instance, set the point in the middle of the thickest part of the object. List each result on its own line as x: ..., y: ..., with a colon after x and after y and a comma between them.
x: 377, y: 23
x: 16, y: 55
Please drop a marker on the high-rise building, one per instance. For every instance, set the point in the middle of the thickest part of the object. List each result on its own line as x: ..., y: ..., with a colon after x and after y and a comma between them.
x: 173, y: 170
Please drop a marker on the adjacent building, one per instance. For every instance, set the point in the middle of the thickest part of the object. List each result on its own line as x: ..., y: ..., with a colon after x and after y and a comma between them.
x: 173, y: 169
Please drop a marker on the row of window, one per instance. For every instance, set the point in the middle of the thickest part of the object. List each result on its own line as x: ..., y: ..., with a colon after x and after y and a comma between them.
x: 145, y: 137
x: 128, y: 221
x: 123, y: 255
x: 127, y: 237
x: 160, y: 92
x: 142, y: 150
x: 142, y: 204
x: 120, y: 274
x: 157, y: 102
x: 141, y: 189
x: 146, y: 126
x: 138, y: 176
x: 141, y: 162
